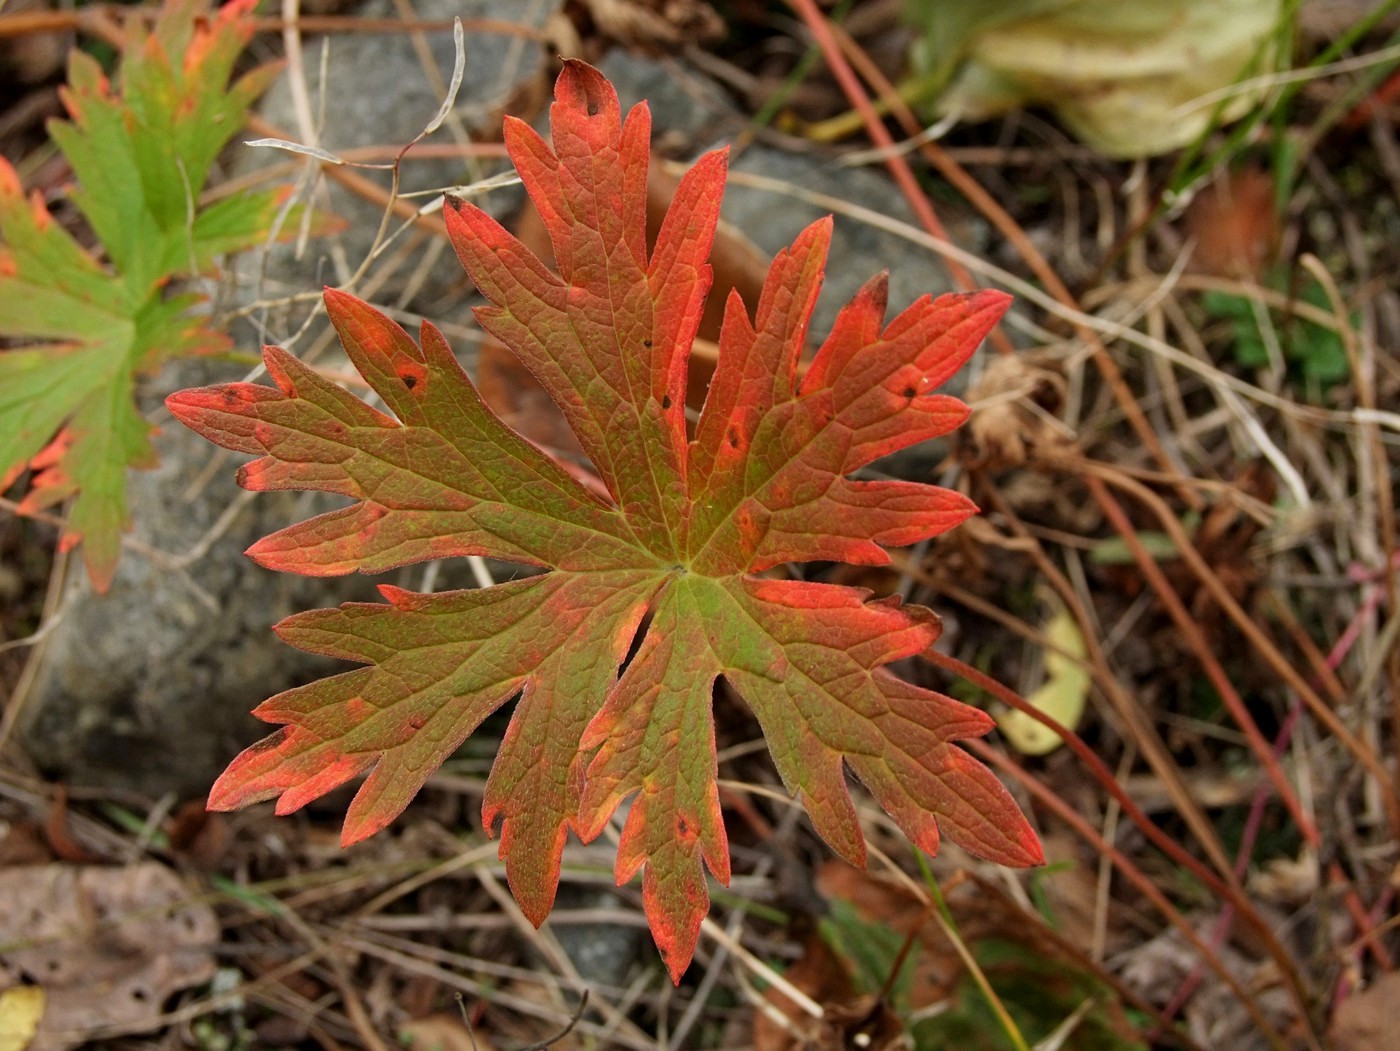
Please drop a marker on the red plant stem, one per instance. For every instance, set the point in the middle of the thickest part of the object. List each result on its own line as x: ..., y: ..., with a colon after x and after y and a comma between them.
x: 1364, y: 922
x: 1226, y: 919
x: 1188, y: 627
x: 899, y: 168
x: 1145, y: 886
x: 1322, y: 671
x: 1124, y: 705
x: 991, y: 209
x: 1256, y: 636
x: 1360, y: 918
x: 1377, y: 916
x: 1105, y: 777
x: 1370, y: 602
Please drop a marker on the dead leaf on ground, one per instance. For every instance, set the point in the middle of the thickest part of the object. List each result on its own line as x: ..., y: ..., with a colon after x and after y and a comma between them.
x: 1214, y: 1016
x: 1062, y: 696
x: 1234, y: 224
x: 442, y: 1032
x: 1370, y: 1020
x: 824, y: 977
x: 654, y: 26
x: 22, y: 843
x: 1131, y: 79
x: 198, y: 836
x: 515, y: 1027
x: 108, y: 945
x: 1013, y: 405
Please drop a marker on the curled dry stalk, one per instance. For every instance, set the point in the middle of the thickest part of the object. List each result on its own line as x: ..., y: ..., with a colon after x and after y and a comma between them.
x: 1223, y: 881
x: 1124, y: 704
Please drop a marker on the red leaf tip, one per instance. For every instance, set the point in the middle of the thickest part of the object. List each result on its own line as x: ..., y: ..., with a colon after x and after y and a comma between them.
x: 991, y: 299
x: 586, y: 89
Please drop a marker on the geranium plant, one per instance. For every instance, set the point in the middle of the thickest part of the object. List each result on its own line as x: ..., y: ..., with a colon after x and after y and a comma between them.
x: 683, y: 532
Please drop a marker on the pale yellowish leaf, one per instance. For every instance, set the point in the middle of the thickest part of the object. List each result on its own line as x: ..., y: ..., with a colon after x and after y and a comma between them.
x: 21, y: 1009
x: 1062, y: 696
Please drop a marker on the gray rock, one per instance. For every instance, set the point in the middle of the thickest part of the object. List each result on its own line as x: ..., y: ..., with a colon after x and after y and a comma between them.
x: 377, y: 93
x: 604, y: 953
x: 859, y: 251
x: 148, y: 688
x: 689, y: 113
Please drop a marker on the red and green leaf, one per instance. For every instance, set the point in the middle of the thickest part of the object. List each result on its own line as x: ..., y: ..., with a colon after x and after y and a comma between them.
x: 141, y: 155
x: 683, y: 533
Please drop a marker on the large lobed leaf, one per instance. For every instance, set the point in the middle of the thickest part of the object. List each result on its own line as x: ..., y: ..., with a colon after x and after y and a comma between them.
x: 141, y: 156
x: 686, y: 529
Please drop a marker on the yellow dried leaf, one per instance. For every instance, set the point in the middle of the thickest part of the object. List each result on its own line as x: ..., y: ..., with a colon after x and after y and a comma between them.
x: 1062, y: 696
x: 21, y: 1008
x: 1132, y: 78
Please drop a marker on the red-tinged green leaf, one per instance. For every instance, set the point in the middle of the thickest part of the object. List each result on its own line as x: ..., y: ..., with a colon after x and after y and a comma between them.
x: 141, y: 156
x: 684, y: 530
x: 141, y: 152
x: 66, y: 407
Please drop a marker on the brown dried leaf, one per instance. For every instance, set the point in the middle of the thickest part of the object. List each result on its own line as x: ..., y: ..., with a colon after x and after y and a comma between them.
x: 21, y: 1010
x: 824, y: 977
x: 655, y: 26
x: 442, y: 1032
x: 1013, y: 402
x: 1235, y: 224
x: 22, y: 843
x: 1369, y: 1020
x: 109, y: 945
x: 198, y: 836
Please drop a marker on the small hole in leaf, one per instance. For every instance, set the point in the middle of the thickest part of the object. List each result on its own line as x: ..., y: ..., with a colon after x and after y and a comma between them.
x: 646, y: 343
x: 682, y: 826
x: 665, y: 401
x: 909, y: 392
x: 409, y: 380
x: 734, y: 439
x: 593, y: 109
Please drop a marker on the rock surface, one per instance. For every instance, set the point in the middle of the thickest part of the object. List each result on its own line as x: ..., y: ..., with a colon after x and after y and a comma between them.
x: 148, y: 688
x: 377, y: 92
